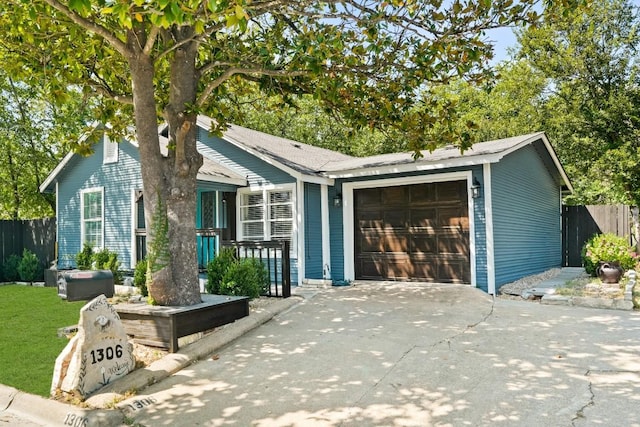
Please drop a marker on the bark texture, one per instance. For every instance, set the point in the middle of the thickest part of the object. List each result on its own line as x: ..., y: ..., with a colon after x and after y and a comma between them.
x: 169, y: 176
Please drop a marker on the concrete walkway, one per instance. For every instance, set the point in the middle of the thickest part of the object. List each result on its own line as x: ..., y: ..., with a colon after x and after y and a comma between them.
x: 403, y: 355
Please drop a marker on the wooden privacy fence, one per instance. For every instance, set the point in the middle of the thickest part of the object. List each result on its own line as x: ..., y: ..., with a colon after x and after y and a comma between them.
x: 36, y: 235
x: 582, y: 222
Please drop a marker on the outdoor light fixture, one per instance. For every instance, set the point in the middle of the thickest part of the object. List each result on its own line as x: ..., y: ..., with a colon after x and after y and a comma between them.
x: 337, y: 200
x: 475, y: 189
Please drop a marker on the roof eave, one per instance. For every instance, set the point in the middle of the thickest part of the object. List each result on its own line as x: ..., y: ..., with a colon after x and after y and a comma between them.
x: 45, y: 187
x: 413, y: 167
x: 240, y: 182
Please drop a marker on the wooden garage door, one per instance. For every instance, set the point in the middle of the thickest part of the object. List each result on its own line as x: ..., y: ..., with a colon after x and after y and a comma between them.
x: 413, y: 232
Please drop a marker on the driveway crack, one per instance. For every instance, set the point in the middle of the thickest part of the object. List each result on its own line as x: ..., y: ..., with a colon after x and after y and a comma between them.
x: 590, y: 402
x: 468, y: 327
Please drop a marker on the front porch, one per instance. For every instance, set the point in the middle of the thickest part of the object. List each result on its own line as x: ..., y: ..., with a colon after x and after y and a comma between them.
x: 274, y: 254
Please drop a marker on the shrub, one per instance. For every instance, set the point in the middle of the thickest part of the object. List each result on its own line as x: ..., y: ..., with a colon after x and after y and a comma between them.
x: 107, y: 260
x: 217, y: 268
x: 247, y: 277
x: 10, y: 268
x: 28, y: 266
x: 607, y: 248
x: 140, y: 277
x: 84, y: 258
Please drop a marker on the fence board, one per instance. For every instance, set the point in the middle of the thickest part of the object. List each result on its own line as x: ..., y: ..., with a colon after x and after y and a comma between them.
x: 582, y: 222
x: 37, y: 235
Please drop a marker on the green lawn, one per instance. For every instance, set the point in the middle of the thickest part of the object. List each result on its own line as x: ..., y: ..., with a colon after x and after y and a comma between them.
x: 29, y: 343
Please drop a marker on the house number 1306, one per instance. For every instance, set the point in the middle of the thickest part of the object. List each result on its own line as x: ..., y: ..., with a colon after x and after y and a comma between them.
x: 109, y: 353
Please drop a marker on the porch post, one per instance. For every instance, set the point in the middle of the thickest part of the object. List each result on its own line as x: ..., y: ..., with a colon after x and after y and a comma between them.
x: 326, y: 244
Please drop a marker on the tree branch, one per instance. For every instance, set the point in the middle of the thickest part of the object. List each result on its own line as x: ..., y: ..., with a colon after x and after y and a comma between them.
x: 90, y: 26
x: 248, y: 71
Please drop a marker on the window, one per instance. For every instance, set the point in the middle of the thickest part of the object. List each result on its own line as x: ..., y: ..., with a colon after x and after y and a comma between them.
x: 267, y: 215
x: 92, y: 214
x: 110, y: 153
x: 208, y: 209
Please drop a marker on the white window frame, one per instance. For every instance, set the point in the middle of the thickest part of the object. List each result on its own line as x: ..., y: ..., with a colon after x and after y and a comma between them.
x: 83, y: 219
x: 110, y: 151
x: 265, y: 191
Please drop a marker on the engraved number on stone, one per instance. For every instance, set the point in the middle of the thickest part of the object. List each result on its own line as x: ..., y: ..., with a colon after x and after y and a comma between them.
x: 141, y: 403
x: 98, y: 355
x: 75, y: 421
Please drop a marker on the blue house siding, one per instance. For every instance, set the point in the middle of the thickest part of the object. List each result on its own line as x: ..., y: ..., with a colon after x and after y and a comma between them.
x: 526, y: 217
x: 313, y: 231
x: 257, y: 171
x: 118, y: 180
x: 336, y: 238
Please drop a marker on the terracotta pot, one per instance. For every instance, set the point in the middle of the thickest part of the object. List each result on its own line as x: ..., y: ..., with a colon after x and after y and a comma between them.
x: 609, y: 272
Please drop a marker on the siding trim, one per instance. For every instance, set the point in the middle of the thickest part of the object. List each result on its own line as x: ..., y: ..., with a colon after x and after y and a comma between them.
x: 57, y: 224
x: 134, y: 214
x: 298, y: 227
x: 326, y: 243
x: 488, y: 212
x: 348, y: 204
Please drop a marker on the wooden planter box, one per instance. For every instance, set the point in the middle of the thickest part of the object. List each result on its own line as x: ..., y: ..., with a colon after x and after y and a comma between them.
x: 160, y: 326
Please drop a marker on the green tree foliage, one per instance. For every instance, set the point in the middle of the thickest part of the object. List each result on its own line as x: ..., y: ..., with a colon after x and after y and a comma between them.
x: 590, y: 57
x: 34, y: 136
x: 305, y: 120
x: 168, y: 60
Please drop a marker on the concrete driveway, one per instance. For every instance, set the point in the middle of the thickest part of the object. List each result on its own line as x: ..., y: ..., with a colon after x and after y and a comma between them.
x: 412, y: 355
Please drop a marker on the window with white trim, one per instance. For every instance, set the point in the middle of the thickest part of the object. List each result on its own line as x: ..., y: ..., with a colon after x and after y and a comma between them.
x: 110, y: 152
x: 92, y: 216
x: 267, y: 215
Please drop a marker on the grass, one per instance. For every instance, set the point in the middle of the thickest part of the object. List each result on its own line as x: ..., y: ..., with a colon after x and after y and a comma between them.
x: 30, y: 318
x: 593, y: 287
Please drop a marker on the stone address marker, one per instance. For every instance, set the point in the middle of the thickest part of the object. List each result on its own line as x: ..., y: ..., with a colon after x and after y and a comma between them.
x: 98, y: 354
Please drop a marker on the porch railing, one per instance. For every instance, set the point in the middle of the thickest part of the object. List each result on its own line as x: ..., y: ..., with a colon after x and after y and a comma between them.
x: 207, y: 242
x: 276, y: 258
x: 275, y: 255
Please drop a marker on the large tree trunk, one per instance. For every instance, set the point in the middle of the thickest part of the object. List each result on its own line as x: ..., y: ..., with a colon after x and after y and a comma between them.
x: 169, y: 183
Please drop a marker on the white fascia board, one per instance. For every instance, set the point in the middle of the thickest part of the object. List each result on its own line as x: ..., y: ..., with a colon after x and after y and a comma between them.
x: 55, y: 172
x: 413, y: 167
x: 241, y: 182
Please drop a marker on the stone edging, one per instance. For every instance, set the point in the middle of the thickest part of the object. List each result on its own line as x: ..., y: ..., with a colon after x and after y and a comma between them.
x: 625, y: 303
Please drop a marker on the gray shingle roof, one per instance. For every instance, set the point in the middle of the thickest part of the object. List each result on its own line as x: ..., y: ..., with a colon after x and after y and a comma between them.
x: 304, y: 158
x: 439, y: 155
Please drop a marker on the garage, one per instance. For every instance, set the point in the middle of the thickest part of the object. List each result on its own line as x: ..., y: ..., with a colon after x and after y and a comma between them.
x: 413, y: 232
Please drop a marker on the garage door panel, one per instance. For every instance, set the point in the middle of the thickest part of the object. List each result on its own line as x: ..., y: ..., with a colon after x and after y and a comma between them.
x: 368, y: 197
x: 399, y: 268
x: 395, y: 219
x: 371, y: 269
x: 370, y: 244
x: 394, y: 196
x: 452, y: 244
x: 395, y: 243
x: 424, y: 244
x: 423, y: 218
x: 423, y: 194
x: 453, y: 217
x: 452, y: 271
x: 414, y: 232
x: 453, y: 191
